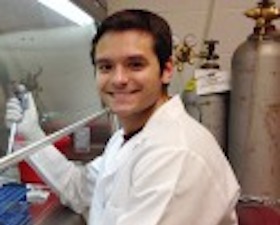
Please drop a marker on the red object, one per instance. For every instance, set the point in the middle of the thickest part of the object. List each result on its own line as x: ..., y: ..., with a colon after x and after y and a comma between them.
x: 258, y: 215
x: 29, y: 175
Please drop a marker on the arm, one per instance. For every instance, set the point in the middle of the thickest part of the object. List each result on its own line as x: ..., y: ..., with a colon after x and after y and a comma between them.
x: 73, y: 184
x: 176, y: 187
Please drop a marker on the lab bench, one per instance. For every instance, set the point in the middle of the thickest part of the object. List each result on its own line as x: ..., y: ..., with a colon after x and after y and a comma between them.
x: 52, y: 212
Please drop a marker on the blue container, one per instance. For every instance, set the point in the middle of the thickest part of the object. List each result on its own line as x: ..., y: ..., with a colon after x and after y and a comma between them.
x: 13, y: 205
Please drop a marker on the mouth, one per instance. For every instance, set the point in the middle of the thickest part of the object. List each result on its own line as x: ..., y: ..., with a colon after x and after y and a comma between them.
x: 122, y: 93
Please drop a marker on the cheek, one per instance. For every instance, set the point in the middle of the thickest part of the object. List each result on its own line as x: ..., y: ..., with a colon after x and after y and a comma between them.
x: 100, y: 83
x: 151, y: 79
x: 153, y: 87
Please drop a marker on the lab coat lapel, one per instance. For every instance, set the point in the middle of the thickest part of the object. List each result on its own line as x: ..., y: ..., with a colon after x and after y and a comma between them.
x: 116, y: 155
x: 122, y: 153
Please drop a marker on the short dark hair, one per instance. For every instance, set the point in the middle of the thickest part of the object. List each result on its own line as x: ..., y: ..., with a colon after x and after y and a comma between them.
x: 139, y: 19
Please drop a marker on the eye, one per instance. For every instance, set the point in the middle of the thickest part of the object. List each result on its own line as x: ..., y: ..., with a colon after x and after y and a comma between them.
x: 104, y: 67
x: 136, y: 65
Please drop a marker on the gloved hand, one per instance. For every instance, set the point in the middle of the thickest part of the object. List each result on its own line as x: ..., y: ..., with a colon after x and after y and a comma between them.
x: 27, y: 120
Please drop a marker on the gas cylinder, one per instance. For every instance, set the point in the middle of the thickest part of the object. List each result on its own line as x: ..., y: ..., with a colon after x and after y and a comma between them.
x: 254, y: 125
x: 209, y: 107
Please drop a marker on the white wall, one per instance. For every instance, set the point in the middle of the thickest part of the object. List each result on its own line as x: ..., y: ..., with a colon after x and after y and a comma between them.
x: 206, y: 19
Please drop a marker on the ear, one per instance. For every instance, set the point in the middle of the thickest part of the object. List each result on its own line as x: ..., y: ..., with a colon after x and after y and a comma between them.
x: 167, y: 72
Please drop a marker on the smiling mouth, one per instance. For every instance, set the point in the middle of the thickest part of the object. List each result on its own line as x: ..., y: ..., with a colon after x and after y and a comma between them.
x: 112, y: 93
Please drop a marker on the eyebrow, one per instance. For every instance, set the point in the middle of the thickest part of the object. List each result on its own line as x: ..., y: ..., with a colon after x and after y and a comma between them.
x: 136, y: 57
x: 128, y: 58
x: 102, y: 61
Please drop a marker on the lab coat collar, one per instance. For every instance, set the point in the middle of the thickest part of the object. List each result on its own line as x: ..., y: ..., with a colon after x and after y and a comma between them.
x: 172, y: 108
x: 123, y: 150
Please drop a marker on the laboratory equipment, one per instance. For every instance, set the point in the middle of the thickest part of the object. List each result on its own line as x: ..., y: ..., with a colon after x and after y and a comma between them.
x: 254, y: 129
x: 19, y: 91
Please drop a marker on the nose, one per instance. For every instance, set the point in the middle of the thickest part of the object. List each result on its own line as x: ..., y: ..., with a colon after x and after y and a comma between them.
x: 120, y: 77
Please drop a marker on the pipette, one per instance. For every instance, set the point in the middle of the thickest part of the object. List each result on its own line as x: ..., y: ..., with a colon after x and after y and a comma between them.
x: 19, y: 91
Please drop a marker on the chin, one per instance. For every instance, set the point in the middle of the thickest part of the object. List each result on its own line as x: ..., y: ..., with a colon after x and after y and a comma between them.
x: 122, y: 112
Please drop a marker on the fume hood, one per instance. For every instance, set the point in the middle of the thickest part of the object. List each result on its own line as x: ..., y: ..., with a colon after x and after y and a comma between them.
x: 50, y: 55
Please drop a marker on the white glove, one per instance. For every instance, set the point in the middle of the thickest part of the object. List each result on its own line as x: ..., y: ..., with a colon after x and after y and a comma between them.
x: 27, y: 120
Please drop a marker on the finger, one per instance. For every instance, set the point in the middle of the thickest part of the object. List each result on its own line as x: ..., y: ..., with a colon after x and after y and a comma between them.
x: 12, y: 114
x: 13, y: 104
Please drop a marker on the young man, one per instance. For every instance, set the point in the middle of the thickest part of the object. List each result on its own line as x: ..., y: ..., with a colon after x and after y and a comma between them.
x: 162, y: 167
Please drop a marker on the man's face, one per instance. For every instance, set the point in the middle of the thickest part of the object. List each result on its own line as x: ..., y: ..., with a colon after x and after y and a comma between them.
x: 128, y: 72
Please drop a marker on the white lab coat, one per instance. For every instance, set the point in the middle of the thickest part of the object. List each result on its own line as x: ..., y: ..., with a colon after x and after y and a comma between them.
x: 171, y: 173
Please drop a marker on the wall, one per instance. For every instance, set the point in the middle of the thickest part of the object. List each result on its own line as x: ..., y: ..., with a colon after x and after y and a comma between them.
x: 206, y: 19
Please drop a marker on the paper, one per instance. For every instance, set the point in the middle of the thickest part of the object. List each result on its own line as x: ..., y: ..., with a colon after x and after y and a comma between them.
x: 210, y: 81
x: 82, y: 140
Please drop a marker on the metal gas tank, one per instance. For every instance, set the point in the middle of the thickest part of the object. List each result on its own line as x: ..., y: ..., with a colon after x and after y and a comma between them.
x: 254, y: 128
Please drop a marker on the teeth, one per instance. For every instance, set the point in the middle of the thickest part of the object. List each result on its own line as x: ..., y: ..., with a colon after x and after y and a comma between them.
x: 121, y: 93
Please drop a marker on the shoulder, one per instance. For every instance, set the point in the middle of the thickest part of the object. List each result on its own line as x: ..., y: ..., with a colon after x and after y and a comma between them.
x: 172, y: 125
x: 172, y: 132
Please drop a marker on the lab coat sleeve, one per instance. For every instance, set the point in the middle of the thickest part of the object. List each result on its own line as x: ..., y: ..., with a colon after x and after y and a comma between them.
x: 178, y: 188
x: 74, y: 184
